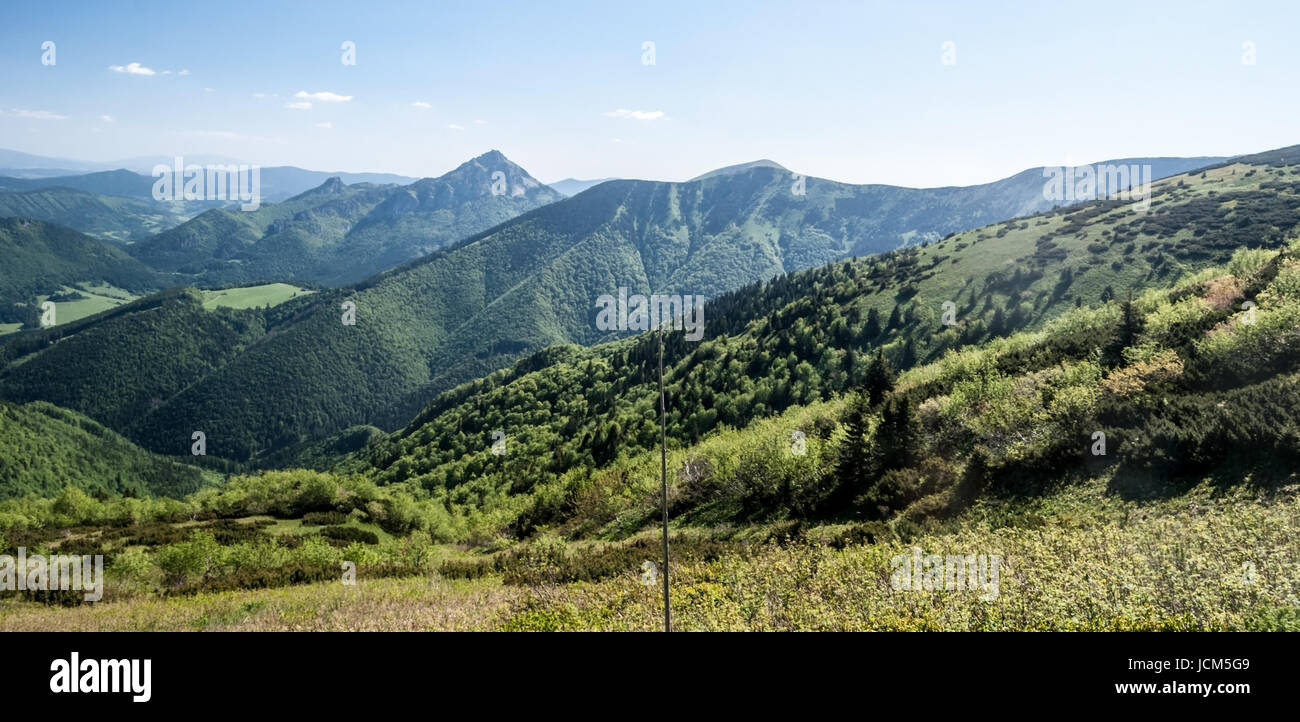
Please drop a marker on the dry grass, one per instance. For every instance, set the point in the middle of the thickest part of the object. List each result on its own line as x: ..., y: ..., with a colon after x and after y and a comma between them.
x: 407, y: 604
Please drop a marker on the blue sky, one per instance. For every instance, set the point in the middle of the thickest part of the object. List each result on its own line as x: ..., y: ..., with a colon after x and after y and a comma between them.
x: 851, y: 91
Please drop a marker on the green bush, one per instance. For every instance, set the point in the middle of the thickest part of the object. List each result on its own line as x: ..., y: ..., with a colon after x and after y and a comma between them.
x: 324, y: 518
x: 348, y: 534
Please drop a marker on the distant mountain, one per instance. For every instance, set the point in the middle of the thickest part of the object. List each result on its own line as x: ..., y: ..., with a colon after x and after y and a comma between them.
x: 282, y: 182
x: 108, y: 182
x: 895, y: 216
x: 338, y: 233
x: 40, y: 164
x: 19, y: 160
x: 277, y: 183
x: 109, y: 217
x: 37, y: 172
x: 459, y: 313
x: 574, y: 186
x: 40, y: 258
x: 741, y: 168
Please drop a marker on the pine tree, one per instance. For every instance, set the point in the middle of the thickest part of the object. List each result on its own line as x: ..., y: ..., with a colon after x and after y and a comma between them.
x: 879, y: 380
x: 895, y: 319
x: 1131, y: 325
x: 896, y: 437
x: 853, y: 465
x: 872, y: 330
x: 998, y: 326
x: 908, y: 359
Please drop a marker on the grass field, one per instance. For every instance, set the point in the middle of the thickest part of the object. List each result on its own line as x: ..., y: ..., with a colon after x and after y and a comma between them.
x: 270, y: 294
x: 104, y: 297
x: 98, y: 298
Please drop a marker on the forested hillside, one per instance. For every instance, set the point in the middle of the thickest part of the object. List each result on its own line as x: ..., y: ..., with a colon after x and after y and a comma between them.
x: 44, y: 449
x: 41, y: 258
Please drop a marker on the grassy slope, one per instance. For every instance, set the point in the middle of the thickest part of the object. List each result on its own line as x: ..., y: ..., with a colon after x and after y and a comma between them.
x: 269, y: 294
x: 98, y: 298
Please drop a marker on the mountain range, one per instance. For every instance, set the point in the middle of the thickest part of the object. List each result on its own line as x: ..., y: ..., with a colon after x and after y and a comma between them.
x: 264, y: 380
x: 133, y: 176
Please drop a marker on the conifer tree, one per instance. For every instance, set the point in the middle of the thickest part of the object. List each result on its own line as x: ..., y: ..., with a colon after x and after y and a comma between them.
x: 879, y: 380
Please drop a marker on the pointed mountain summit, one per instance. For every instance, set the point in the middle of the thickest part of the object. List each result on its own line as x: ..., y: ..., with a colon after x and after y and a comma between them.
x: 490, y: 174
x: 331, y: 187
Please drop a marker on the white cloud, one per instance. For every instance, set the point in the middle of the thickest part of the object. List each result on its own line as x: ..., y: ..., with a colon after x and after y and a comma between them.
x: 184, y: 72
x: 207, y: 90
x: 421, y: 105
x: 323, y: 96
x: 326, y: 124
x: 132, y: 69
x: 298, y: 106
x: 106, y: 118
x: 453, y: 126
x: 635, y: 114
x: 259, y: 95
x: 37, y: 114
x: 166, y: 72
x: 480, y: 122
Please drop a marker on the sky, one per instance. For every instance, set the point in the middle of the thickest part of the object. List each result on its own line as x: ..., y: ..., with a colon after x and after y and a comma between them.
x: 912, y: 93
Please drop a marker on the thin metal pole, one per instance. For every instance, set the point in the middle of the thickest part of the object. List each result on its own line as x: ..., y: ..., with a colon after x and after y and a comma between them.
x: 663, y: 477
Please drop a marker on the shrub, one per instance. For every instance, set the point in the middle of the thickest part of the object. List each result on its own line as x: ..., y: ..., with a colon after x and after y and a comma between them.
x: 348, y: 534
x: 189, y: 561
x: 132, y: 566
x: 324, y: 518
